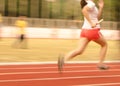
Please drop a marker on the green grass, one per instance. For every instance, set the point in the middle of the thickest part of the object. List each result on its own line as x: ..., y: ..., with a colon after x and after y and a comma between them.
x: 49, y: 49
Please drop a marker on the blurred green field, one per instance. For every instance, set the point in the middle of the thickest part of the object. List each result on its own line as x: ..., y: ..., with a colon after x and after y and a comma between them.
x: 49, y: 49
x: 58, y: 9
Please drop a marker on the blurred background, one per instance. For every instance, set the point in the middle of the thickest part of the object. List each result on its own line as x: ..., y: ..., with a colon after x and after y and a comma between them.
x: 55, y: 19
x: 55, y: 9
x: 60, y: 11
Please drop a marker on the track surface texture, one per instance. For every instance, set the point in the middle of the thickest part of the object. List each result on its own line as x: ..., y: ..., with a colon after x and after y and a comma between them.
x: 74, y: 74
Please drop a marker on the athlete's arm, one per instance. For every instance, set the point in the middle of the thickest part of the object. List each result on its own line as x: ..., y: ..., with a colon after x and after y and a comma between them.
x: 85, y: 13
x: 101, y: 5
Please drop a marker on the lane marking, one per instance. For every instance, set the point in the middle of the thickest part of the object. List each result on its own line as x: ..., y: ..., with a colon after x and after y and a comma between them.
x: 60, y: 78
x: 43, y: 67
x: 55, y: 62
x: 101, y: 84
x: 53, y: 72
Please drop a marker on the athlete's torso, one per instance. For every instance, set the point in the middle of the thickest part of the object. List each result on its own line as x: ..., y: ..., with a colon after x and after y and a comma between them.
x: 93, y: 14
x: 21, y: 25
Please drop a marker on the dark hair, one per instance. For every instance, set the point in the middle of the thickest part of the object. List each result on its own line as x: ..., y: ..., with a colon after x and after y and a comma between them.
x: 83, y: 3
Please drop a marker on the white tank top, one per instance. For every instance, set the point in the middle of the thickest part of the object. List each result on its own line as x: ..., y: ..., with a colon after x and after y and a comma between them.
x: 93, y: 14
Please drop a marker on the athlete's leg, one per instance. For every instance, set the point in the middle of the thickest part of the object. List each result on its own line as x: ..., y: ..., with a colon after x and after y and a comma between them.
x: 102, y: 42
x: 79, y: 50
x: 23, y: 42
x: 16, y: 43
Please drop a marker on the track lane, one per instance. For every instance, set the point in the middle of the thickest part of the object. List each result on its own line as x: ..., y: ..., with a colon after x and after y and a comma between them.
x: 53, y: 68
x: 47, y: 75
x: 23, y: 75
x: 62, y: 82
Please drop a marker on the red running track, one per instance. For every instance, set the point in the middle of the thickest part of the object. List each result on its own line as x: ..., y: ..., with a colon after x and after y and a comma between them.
x: 77, y: 74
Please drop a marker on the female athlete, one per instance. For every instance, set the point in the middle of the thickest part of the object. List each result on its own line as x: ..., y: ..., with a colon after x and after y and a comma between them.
x: 90, y: 32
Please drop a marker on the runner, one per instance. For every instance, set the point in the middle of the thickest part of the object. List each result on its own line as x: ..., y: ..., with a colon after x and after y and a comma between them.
x: 21, y: 25
x: 90, y: 32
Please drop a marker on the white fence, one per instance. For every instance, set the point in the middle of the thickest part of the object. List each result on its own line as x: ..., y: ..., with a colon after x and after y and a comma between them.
x: 58, y: 23
x: 63, y: 33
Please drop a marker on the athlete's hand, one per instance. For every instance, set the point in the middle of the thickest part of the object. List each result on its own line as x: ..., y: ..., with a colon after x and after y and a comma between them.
x: 101, y: 3
x: 93, y: 25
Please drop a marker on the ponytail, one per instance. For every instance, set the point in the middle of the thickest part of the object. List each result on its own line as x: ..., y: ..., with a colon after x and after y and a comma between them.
x: 83, y: 3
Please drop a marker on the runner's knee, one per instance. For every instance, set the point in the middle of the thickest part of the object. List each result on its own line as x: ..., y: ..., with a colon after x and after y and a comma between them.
x: 104, y: 44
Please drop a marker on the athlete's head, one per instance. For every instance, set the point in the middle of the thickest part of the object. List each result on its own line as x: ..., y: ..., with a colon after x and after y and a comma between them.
x: 22, y: 17
x: 83, y: 3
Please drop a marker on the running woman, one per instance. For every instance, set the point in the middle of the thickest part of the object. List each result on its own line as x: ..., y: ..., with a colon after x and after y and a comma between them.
x: 21, y: 25
x: 90, y: 32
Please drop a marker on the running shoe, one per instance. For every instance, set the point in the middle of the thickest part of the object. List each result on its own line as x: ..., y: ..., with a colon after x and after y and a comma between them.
x: 103, y: 67
x: 60, y: 63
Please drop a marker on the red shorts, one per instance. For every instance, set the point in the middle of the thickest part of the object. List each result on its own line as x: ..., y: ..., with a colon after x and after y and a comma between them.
x: 91, y: 34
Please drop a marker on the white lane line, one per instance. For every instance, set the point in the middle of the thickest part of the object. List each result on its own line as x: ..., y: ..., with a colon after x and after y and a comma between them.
x: 55, y: 62
x: 99, y: 84
x: 80, y: 66
x: 46, y: 67
x: 60, y: 78
x: 54, y: 72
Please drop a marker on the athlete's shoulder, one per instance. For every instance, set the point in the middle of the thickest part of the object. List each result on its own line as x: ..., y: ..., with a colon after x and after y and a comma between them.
x: 90, y: 4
